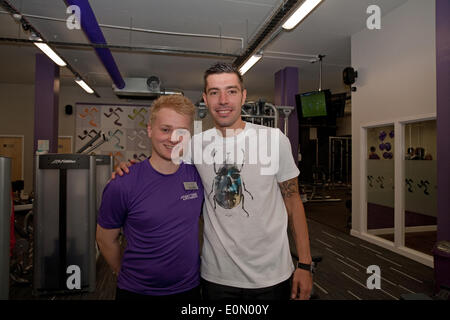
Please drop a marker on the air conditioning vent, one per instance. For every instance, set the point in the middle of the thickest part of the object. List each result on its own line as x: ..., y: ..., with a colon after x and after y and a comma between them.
x: 143, y: 88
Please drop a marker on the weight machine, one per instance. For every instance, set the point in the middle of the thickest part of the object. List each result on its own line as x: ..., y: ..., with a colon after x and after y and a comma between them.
x: 68, y: 191
x: 339, y: 161
x: 64, y: 222
x: 261, y: 113
x: 266, y: 114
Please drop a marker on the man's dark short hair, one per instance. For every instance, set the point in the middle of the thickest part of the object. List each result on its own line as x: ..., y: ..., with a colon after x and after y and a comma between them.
x: 372, y: 149
x: 223, y: 67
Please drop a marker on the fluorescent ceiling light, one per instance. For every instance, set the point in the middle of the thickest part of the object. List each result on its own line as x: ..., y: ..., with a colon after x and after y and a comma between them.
x: 50, y: 53
x: 300, y: 13
x: 83, y: 84
x: 250, y: 62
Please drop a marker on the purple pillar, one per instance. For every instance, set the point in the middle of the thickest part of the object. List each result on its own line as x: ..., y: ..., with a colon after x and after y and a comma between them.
x: 46, y: 96
x: 286, y: 87
x: 441, y: 258
x: 443, y: 116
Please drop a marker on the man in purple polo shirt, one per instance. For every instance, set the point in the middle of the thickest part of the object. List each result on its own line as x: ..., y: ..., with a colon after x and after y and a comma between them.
x: 158, y: 206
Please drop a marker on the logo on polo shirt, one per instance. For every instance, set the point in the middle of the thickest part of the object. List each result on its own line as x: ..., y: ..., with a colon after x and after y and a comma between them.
x: 189, y: 196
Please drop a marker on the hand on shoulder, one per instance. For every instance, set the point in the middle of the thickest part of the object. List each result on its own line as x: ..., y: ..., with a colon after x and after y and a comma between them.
x: 122, y: 168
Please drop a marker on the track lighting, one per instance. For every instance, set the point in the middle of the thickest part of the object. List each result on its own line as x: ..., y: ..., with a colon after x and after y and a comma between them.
x: 47, y: 50
x: 306, y: 7
x: 83, y: 84
x: 250, y: 63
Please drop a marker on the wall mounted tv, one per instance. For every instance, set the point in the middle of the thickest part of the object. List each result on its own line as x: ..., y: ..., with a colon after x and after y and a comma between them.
x: 315, y: 108
x: 313, y: 104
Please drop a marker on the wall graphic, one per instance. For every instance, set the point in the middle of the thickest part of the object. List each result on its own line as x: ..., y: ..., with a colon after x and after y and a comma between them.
x: 124, y: 126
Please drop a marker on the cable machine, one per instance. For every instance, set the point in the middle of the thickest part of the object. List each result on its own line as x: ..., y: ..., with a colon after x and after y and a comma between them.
x: 339, y: 160
x: 5, y: 220
x: 261, y: 113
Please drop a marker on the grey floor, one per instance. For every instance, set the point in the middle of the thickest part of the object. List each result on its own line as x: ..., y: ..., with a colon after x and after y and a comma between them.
x: 341, y: 275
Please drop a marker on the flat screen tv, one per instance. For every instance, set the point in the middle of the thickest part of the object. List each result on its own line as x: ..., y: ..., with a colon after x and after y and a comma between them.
x: 313, y: 104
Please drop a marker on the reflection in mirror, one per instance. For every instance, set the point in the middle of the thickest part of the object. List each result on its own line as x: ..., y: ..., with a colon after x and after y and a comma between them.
x: 380, y: 181
x: 421, y: 186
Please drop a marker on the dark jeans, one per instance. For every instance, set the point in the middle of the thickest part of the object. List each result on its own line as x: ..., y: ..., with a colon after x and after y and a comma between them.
x: 213, y: 291
x: 190, y: 295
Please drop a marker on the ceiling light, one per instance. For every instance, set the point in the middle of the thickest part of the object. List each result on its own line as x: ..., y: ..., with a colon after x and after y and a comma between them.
x: 83, y: 84
x: 48, y: 51
x: 250, y: 62
x: 299, y: 14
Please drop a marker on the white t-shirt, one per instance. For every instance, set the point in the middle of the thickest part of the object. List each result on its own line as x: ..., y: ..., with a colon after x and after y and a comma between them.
x: 245, y: 219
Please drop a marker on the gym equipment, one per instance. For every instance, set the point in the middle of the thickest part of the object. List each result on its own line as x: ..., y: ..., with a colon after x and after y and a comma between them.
x: 287, y: 110
x: 318, y: 186
x: 260, y: 112
x: 89, y: 144
x: 319, y: 181
x: 64, y: 223
x: 441, y: 253
x: 103, y: 171
x: 266, y: 114
x: 105, y: 166
x: 340, y: 156
x: 5, y: 221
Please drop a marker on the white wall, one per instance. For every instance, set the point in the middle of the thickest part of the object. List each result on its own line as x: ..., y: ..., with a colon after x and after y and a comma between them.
x: 396, y: 75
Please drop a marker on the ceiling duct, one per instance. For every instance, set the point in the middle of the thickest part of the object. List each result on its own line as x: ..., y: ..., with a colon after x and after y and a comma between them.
x: 268, y: 29
x: 95, y: 35
x: 143, y: 89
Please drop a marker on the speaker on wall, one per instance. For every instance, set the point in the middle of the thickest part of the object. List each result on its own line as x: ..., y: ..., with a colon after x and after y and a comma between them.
x: 349, y: 75
x: 68, y: 109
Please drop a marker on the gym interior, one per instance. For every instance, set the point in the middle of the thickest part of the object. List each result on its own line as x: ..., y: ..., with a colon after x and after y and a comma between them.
x: 360, y: 88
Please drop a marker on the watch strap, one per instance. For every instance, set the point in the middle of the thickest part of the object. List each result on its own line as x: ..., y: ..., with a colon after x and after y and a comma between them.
x: 304, y: 266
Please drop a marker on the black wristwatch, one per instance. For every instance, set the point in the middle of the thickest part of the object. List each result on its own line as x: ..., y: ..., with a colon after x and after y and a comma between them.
x: 309, y: 267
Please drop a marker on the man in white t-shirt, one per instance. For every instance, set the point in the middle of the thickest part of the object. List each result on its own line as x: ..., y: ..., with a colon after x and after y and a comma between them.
x: 251, y: 192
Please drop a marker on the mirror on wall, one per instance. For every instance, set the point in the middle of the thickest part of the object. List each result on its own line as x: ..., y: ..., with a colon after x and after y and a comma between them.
x: 420, y: 186
x: 380, y: 181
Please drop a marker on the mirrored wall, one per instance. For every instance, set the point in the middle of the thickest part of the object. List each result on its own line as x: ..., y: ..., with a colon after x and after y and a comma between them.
x: 380, y: 181
x: 420, y: 167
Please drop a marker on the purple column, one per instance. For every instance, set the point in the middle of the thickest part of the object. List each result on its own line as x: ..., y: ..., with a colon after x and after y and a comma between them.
x: 441, y: 258
x: 443, y: 116
x: 279, y: 90
x: 286, y: 87
x: 46, y: 96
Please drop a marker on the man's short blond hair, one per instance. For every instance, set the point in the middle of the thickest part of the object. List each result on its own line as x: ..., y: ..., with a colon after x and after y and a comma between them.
x: 176, y: 102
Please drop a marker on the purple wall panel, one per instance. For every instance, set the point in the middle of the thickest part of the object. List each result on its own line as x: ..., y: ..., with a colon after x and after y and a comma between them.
x: 286, y: 87
x: 46, y: 100
x: 443, y: 116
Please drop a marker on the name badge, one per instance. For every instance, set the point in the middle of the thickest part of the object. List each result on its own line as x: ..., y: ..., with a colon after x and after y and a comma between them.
x: 190, y: 185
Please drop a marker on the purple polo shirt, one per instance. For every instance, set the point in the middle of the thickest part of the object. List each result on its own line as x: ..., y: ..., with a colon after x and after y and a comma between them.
x: 159, y: 215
